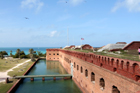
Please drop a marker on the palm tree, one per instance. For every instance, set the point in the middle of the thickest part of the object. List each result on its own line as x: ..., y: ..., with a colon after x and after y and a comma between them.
x: 18, y: 52
x: 31, y: 51
x: 11, y: 53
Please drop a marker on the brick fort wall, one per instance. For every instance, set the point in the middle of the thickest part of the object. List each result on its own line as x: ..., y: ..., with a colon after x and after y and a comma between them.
x: 99, y: 74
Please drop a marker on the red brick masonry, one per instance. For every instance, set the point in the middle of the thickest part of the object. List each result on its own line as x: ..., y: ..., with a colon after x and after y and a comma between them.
x: 91, y: 69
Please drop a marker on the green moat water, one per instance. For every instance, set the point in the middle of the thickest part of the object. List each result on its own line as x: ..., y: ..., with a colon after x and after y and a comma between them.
x: 49, y: 85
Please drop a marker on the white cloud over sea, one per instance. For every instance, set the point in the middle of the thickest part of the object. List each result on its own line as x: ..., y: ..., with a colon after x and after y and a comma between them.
x: 30, y: 4
x: 131, y: 5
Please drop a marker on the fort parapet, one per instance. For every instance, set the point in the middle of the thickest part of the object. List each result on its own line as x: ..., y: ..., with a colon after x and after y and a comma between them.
x: 99, y: 74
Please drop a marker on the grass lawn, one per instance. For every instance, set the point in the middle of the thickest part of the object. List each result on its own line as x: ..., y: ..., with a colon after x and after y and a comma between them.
x: 6, y: 64
x: 5, y: 87
x: 17, y: 71
x: 130, y: 55
x: 122, y: 56
x: 79, y: 50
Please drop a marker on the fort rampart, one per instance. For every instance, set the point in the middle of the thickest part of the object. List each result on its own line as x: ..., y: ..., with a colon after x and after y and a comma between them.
x: 99, y: 74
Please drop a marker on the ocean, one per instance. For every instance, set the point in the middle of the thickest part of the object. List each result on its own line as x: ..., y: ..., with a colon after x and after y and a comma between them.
x: 25, y: 49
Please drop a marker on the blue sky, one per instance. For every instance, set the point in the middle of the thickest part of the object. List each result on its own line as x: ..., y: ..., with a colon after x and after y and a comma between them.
x: 99, y: 22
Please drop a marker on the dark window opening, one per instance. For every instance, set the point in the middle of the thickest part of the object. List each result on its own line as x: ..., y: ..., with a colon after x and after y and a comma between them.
x: 77, y: 67
x: 115, y: 70
x: 102, y: 84
x: 81, y: 70
x: 93, y: 77
x: 86, y: 73
x: 115, y: 90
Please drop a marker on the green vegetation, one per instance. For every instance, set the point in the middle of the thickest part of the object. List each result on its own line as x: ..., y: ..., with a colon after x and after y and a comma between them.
x: 130, y: 55
x: 22, y: 55
x: 18, y: 52
x: 41, y: 54
x: 79, y: 50
x: 32, y: 55
x: 6, y: 64
x: 11, y: 53
x: 17, y: 71
x: 5, y: 87
x: 3, y: 53
x: 20, y: 70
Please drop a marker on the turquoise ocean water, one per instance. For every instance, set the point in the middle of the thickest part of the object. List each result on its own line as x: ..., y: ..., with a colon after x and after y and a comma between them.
x: 25, y: 49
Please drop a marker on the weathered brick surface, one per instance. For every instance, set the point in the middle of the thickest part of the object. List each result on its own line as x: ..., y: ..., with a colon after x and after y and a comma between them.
x: 124, y: 74
x: 52, y: 54
x: 132, y: 46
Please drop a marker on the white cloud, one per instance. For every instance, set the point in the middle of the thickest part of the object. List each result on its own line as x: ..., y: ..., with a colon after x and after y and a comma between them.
x: 131, y: 5
x: 72, y: 2
x: 76, y: 2
x: 37, y: 4
x: 53, y: 33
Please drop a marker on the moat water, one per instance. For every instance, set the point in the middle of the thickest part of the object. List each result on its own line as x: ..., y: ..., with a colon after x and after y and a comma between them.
x: 44, y: 67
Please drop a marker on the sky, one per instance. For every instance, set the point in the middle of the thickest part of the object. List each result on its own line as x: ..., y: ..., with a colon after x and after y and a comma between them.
x: 45, y: 23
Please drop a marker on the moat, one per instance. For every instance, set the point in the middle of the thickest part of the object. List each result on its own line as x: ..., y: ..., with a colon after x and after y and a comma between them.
x: 44, y: 67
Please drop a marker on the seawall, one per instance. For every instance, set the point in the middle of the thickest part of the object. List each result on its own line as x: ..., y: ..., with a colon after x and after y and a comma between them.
x: 15, y: 86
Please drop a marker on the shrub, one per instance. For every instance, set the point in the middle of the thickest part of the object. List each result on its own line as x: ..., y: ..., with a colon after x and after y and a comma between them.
x: 16, y: 56
x: 23, y: 56
x: 22, y: 53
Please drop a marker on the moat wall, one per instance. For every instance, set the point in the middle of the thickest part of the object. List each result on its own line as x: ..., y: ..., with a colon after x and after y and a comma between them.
x: 15, y: 86
x: 99, y: 74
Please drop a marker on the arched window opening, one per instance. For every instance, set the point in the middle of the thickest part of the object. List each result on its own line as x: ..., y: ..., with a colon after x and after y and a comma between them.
x: 115, y: 89
x: 81, y: 70
x: 135, y: 67
x: 91, y: 56
x: 127, y: 65
x: 137, y: 78
x: 108, y: 61
x: 112, y: 61
x: 102, y: 84
x: 122, y: 64
x: 77, y: 67
x: 53, y: 53
x: 99, y: 58
x: 86, y: 73
x: 92, y: 77
x: 102, y: 58
x: 101, y: 65
x: 117, y: 63
x: 105, y: 60
x: 114, y: 69
x: 74, y: 64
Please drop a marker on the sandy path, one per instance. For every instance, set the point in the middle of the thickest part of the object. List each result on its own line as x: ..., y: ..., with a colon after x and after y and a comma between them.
x: 5, y: 74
